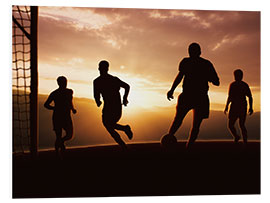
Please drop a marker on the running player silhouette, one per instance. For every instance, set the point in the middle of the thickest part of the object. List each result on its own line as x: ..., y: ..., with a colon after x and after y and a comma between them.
x: 62, y: 98
x: 238, y: 91
x: 108, y: 87
x: 197, y: 72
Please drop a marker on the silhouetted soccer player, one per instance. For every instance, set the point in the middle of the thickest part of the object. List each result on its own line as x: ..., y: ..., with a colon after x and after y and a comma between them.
x: 238, y: 91
x: 197, y: 72
x: 62, y: 98
x: 108, y: 86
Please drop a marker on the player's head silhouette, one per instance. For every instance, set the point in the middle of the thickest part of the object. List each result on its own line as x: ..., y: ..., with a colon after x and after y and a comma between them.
x: 238, y: 75
x: 103, y: 67
x: 62, y: 82
x: 194, y: 50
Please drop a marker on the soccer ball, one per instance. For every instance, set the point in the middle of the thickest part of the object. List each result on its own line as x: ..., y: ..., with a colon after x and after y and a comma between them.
x: 168, y: 141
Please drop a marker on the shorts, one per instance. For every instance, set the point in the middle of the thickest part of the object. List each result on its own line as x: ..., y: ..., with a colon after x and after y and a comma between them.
x: 62, y: 122
x: 111, y: 114
x: 199, y: 103
x: 110, y: 119
x: 237, y: 111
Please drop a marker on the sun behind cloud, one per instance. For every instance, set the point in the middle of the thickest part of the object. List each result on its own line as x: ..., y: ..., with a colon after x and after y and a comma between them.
x: 144, y: 48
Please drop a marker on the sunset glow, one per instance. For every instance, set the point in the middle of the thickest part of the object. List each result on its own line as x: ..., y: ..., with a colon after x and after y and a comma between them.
x: 144, y: 48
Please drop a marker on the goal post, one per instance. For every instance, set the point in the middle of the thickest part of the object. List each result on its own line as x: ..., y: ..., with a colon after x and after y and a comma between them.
x: 34, y: 82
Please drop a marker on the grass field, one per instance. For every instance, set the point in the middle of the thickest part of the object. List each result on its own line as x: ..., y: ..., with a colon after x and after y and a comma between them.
x: 209, y: 168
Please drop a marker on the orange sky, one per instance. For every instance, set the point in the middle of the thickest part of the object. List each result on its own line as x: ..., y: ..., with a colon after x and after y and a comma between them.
x: 144, y: 48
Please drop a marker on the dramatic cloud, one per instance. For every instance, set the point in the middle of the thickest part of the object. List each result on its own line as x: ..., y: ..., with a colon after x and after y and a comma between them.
x: 147, y: 43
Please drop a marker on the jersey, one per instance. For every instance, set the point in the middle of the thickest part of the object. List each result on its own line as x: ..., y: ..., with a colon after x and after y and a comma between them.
x: 108, y: 87
x: 62, y: 99
x: 197, y: 73
x: 238, y: 92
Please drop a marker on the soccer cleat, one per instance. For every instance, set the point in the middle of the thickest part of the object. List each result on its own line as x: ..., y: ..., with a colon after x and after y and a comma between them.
x: 62, y: 146
x: 128, y: 132
x: 236, y: 138
x: 57, y: 145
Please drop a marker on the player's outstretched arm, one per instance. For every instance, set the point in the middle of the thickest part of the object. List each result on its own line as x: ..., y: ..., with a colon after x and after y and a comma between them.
x: 227, y: 105
x: 213, y: 76
x: 229, y: 100
x: 250, y: 99
x: 74, y: 111
x: 216, y: 82
x: 127, y: 88
x: 176, y: 82
x: 97, y: 94
x: 48, y: 102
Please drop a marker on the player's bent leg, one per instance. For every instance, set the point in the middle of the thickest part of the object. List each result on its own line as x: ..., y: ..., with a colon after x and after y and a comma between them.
x: 128, y: 132
x: 58, y: 141
x: 115, y: 135
x: 69, y: 135
x: 110, y: 125
x: 243, y: 129
x: 231, y: 126
x: 120, y: 127
x: 178, y: 119
x: 126, y: 129
x: 197, y: 120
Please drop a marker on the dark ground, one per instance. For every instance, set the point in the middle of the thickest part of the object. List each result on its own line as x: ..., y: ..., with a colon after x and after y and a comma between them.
x: 210, y: 168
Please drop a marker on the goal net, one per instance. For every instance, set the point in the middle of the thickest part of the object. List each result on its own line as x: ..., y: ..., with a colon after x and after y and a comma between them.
x: 24, y: 78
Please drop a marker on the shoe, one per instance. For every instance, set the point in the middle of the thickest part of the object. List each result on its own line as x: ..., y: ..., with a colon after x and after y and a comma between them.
x: 57, y: 145
x: 63, y: 147
x: 129, y: 132
x: 236, y: 139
